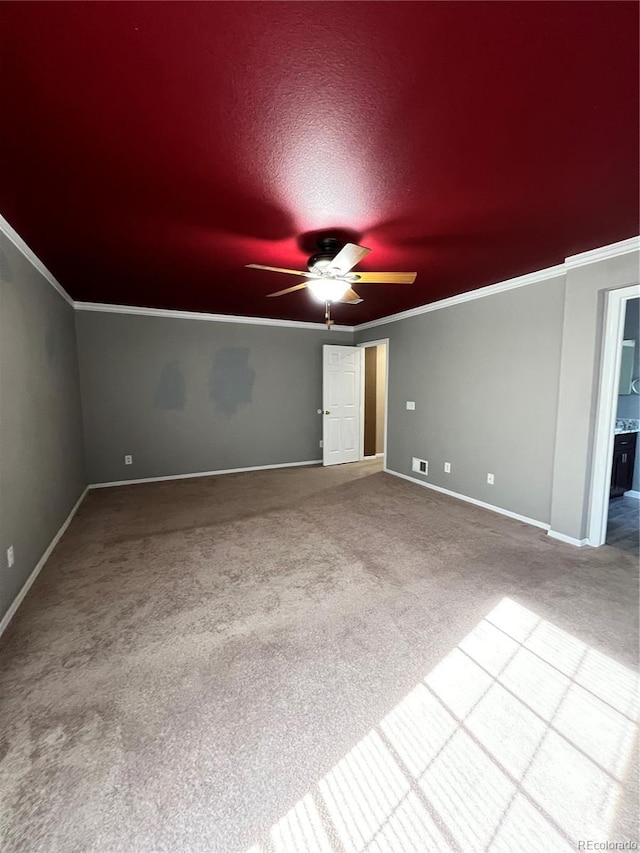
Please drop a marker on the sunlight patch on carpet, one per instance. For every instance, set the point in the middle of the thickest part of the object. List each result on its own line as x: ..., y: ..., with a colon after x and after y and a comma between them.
x: 518, y: 740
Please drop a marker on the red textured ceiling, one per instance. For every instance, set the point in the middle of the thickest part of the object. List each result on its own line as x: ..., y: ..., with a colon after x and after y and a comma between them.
x: 151, y: 150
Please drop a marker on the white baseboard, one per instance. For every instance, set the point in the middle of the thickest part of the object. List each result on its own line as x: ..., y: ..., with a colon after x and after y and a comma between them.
x: 570, y: 540
x: 17, y: 601
x: 469, y: 500
x: 204, y: 474
x: 632, y: 494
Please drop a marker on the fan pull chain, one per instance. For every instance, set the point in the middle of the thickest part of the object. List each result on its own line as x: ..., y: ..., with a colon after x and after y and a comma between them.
x: 327, y: 315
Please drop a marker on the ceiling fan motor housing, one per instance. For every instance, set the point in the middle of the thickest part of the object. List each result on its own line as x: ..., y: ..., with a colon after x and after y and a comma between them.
x: 329, y: 248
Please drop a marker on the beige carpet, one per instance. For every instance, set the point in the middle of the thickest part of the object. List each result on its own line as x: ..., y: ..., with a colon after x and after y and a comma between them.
x: 317, y: 659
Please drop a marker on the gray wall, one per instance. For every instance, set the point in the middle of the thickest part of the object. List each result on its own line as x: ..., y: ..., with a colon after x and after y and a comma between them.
x: 484, y: 377
x: 586, y: 287
x: 184, y: 395
x: 41, y: 454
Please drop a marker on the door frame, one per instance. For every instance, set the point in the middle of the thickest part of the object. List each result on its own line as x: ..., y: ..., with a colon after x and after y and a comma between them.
x: 607, y: 405
x: 365, y: 344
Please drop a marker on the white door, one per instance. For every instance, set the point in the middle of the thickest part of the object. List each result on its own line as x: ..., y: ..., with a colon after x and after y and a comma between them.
x: 341, y: 370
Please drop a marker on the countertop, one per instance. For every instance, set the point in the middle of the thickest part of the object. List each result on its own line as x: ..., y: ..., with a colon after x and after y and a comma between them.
x: 623, y: 426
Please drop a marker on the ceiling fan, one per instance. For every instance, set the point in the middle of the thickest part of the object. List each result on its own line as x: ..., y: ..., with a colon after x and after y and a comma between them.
x: 329, y: 277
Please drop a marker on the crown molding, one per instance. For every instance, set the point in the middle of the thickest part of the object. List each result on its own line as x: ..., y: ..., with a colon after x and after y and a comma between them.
x: 613, y: 250
x: 469, y: 296
x: 31, y: 256
x: 211, y: 318
x: 622, y: 247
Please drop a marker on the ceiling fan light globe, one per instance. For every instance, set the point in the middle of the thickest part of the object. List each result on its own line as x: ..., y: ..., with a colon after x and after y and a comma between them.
x: 328, y: 289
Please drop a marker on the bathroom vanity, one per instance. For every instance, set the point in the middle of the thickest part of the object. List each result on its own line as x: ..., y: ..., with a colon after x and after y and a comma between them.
x: 624, y: 454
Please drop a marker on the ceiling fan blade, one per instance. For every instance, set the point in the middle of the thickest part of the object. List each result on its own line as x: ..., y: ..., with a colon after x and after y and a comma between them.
x: 351, y: 297
x: 300, y: 286
x: 350, y: 255
x: 279, y: 269
x: 386, y: 277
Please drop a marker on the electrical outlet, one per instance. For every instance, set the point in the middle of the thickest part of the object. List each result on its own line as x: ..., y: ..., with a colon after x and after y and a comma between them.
x: 490, y: 479
x: 11, y: 557
x: 411, y: 406
x: 321, y: 443
x: 447, y: 467
x: 128, y: 459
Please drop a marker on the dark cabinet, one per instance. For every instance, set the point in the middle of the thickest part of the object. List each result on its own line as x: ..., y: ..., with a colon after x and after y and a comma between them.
x: 624, y: 454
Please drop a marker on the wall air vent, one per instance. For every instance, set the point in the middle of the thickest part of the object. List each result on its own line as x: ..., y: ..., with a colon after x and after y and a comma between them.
x: 421, y: 466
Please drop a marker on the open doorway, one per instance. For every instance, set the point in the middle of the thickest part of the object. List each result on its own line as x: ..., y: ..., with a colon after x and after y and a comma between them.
x: 374, y: 399
x: 623, y: 522
x: 614, y: 467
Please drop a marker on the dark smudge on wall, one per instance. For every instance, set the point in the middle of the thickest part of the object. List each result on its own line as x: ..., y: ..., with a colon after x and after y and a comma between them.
x: 231, y: 382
